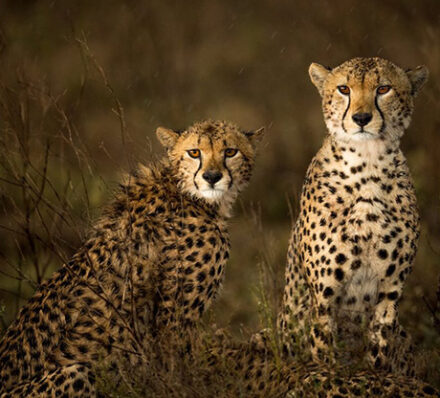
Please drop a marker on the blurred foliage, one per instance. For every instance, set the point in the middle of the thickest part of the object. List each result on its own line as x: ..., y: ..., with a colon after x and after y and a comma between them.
x: 83, y: 85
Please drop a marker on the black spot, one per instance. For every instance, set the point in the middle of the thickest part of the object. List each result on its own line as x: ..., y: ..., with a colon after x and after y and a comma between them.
x: 195, y: 303
x: 207, y: 258
x: 382, y: 253
x: 188, y: 270
x: 390, y: 270
x: 392, y: 295
x: 328, y: 292
x: 139, y: 209
x: 201, y: 276
x: 356, y: 251
x: 340, y: 258
x: 60, y: 380
x: 356, y: 264
x: 339, y: 274
x: 43, y: 387
x: 372, y: 217
x: 380, y: 297
x: 78, y: 385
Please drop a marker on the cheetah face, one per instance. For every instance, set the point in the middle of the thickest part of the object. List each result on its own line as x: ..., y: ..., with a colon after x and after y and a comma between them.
x: 213, y: 160
x: 367, y: 98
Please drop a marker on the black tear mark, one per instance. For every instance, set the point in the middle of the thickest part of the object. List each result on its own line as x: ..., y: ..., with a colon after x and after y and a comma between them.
x: 345, y: 114
x: 382, y: 127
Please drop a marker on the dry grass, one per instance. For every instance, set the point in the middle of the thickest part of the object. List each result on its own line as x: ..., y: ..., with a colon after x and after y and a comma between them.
x: 84, y: 85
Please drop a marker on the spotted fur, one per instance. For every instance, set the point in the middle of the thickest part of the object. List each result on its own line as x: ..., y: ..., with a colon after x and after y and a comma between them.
x: 356, y: 236
x: 260, y: 371
x: 153, y: 263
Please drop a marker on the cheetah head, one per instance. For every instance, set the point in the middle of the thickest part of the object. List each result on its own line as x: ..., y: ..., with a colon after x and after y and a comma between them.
x: 213, y: 160
x: 367, y: 98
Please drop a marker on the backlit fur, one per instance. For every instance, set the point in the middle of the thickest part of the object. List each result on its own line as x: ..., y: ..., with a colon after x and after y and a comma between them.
x: 149, y: 269
x: 356, y: 236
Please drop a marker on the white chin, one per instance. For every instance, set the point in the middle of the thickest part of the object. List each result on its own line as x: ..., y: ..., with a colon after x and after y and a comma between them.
x: 212, y: 194
x: 363, y: 136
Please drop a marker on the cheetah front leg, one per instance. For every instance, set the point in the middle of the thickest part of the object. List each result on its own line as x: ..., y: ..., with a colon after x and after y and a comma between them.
x: 72, y: 381
x: 390, y: 346
x: 342, y: 314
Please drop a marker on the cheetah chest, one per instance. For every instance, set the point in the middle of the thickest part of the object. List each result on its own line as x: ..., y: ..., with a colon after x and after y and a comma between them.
x: 362, y: 231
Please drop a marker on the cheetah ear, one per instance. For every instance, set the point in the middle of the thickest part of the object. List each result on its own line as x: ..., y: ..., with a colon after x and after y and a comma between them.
x: 167, y: 137
x: 318, y: 74
x: 255, y: 136
x: 417, y: 78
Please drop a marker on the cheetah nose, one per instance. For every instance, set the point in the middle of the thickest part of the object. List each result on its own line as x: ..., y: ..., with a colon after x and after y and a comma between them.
x: 212, y: 176
x: 362, y: 119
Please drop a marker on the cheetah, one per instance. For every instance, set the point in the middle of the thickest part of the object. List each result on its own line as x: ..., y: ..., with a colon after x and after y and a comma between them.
x: 258, y: 370
x: 153, y: 263
x: 355, y: 239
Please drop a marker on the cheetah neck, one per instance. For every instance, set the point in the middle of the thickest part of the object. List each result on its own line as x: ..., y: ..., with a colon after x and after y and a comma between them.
x: 373, y: 157
x: 223, y: 207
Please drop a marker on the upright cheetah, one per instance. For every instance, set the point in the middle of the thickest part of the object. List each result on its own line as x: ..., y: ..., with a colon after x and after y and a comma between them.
x: 356, y: 236
x: 153, y: 263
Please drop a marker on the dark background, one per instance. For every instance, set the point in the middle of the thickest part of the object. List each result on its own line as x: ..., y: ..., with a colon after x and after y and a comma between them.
x: 84, y: 84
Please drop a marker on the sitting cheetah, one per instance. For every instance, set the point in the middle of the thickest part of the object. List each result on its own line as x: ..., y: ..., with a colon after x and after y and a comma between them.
x: 356, y: 236
x: 153, y: 263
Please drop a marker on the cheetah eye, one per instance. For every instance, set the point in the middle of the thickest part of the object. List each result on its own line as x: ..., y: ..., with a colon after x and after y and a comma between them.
x: 383, y: 89
x: 194, y: 153
x: 344, y: 89
x: 230, y: 152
